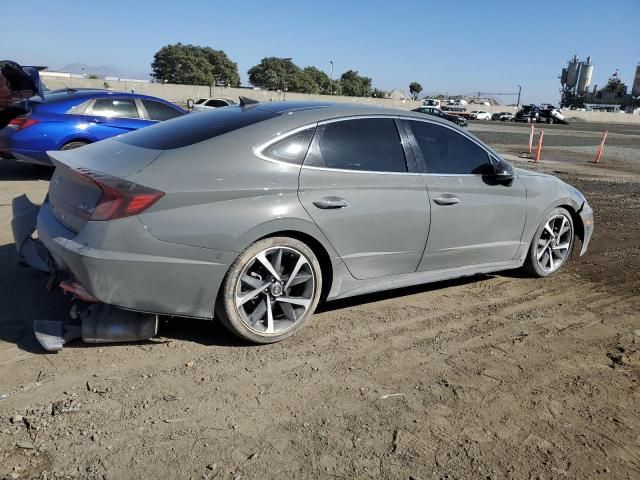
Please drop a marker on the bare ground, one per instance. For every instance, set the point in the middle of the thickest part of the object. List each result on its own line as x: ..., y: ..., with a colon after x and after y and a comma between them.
x: 491, y: 377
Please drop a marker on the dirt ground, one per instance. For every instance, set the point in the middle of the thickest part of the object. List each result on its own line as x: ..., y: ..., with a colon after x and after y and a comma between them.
x: 497, y: 376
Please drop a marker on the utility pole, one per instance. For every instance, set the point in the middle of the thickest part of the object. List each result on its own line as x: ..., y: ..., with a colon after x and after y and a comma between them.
x: 331, y: 84
x: 519, y: 92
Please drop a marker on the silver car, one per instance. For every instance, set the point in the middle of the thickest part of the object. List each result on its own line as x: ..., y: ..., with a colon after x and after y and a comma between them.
x: 254, y: 214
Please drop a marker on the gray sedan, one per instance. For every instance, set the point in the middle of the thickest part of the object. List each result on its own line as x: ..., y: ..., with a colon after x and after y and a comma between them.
x: 254, y: 214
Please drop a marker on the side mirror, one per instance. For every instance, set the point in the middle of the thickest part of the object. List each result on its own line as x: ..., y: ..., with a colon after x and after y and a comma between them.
x: 503, y: 171
x: 190, y: 103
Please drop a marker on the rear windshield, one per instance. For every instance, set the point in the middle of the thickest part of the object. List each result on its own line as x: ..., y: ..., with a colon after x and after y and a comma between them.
x: 194, y: 128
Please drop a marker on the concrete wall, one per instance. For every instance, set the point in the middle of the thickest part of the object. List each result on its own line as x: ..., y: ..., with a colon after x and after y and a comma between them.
x: 181, y: 93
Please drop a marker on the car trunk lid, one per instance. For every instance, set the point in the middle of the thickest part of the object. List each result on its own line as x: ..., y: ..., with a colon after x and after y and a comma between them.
x: 74, y: 191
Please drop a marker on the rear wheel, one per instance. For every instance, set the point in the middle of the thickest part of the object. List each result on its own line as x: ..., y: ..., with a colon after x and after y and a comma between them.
x: 552, y: 244
x: 270, y: 290
x: 72, y: 145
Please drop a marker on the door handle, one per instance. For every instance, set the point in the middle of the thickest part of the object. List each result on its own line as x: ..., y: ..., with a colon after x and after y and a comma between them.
x: 447, y: 199
x: 96, y: 120
x: 327, y: 203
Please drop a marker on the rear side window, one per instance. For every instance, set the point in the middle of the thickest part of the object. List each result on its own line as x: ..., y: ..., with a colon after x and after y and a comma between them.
x: 291, y: 149
x: 159, y: 111
x: 115, y: 107
x: 202, y: 100
x: 447, y: 151
x: 370, y: 144
x: 194, y: 128
x: 216, y: 103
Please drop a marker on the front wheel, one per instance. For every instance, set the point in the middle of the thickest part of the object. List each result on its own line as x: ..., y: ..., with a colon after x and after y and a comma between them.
x: 552, y: 244
x: 270, y: 290
x: 72, y: 145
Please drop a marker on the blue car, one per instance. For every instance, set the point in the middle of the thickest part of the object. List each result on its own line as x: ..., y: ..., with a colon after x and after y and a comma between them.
x: 70, y: 118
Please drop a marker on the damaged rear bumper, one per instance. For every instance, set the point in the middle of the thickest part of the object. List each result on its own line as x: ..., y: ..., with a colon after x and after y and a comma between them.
x: 23, y: 226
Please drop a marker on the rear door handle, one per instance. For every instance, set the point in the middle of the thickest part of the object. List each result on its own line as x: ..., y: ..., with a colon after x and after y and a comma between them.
x: 327, y: 203
x: 447, y: 199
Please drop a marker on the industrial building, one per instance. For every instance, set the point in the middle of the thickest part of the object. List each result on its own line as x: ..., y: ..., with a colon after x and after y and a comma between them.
x: 576, y: 80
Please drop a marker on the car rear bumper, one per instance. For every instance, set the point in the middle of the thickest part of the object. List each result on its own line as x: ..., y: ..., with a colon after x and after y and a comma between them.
x: 121, y: 264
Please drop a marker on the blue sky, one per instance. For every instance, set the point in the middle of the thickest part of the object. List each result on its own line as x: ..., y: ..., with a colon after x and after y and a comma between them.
x: 448, y: 46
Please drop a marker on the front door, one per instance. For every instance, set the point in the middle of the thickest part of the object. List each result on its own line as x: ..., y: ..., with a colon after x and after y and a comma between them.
x: 474, y: 219
x: 356, y: 186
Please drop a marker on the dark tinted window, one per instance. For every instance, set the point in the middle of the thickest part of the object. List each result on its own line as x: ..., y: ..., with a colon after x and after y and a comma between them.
x: 291, y: 149
x: 447, y: 151
x: 194, y: 128
x: 159, y: 111
x: 216, y: 103
x: 202, y: 100
x: 115, y: 107
x: 371, y: 144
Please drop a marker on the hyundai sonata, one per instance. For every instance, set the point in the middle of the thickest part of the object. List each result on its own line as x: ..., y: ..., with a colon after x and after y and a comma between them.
x: 254, y: 214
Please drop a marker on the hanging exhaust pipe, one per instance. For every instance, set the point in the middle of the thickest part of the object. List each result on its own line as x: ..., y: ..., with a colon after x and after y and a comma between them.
x: 98, y: 323
x: 102, y: 323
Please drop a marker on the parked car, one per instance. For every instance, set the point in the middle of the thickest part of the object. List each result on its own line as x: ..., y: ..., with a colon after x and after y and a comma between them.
x: 436, y: 112
x: 502, y: 116
x: 480, y: 115
x: 69, y: 118
x: 253, y: 215
x: 204, y: 104
x: 528, y: 113
x: 551, y: 114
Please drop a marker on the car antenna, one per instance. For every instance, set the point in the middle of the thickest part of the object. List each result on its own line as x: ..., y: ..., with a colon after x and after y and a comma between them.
x: 244, y: 101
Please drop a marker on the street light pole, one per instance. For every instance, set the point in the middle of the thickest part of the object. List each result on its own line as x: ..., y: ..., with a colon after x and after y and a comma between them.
x: 519, y: 92
x: 331, y: 84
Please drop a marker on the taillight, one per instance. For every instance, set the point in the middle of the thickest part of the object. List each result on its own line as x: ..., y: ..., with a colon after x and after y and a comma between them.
x: 23, y: 122
x: 120, y: 198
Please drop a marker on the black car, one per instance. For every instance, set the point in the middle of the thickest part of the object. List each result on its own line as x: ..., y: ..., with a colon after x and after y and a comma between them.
x: 528, y: 113
x: 436, y: 112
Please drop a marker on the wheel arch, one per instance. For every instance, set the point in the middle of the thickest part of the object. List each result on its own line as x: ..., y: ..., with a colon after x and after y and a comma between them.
x: 74, y: 138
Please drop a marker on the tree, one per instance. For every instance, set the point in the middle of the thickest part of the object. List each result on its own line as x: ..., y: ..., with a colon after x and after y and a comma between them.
x: 414, y: 89
x: 193, y: 65
x: 224, y: 70
x: 355, y: 85
x: 314, y: 80
x: 273, y: 73
x: 378, y: 93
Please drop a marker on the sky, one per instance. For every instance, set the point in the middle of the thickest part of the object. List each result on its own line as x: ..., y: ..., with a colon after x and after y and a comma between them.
x: 454, y: 47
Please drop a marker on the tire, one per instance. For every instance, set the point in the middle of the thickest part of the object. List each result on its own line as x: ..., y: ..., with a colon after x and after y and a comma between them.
x: 548, y: 254
x: 249, y: 320
x: 72, y: 145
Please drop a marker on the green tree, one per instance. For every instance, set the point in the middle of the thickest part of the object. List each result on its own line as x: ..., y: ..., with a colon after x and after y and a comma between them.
x: 193, y: 65
x: 355, y: 85
x: 273, y: 73
x: 224, y: 70
x: 414, y: 89
x: 314, y: 80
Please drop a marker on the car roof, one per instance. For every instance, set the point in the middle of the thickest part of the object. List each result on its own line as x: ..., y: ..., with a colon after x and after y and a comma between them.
x: 73, y: 94
x: 319, y: 111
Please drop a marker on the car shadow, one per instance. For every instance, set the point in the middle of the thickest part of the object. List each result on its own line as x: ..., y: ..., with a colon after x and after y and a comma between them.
x: 15, y: 171
x: 25, y: 299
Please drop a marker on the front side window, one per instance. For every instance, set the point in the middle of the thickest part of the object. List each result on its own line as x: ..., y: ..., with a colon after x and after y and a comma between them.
x: 446, y: 151
x: 291, y: 149
x: 115, y: 107
x: 369, y: 144
x: 159, y: 111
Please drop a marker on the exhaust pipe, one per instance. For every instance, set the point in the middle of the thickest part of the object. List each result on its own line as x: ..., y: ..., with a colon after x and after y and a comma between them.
x: 98, y: 323
x: 102, y: 323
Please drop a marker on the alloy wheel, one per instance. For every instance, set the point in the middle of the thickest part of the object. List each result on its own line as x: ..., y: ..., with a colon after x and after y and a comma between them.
x: 554, y: 243
x: 275, y: 290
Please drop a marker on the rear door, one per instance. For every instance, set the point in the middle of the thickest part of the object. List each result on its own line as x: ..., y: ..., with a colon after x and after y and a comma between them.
x: 474, y: 220
x: 158, y: 111
x: 369, y: 202
x: 110, y: 116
